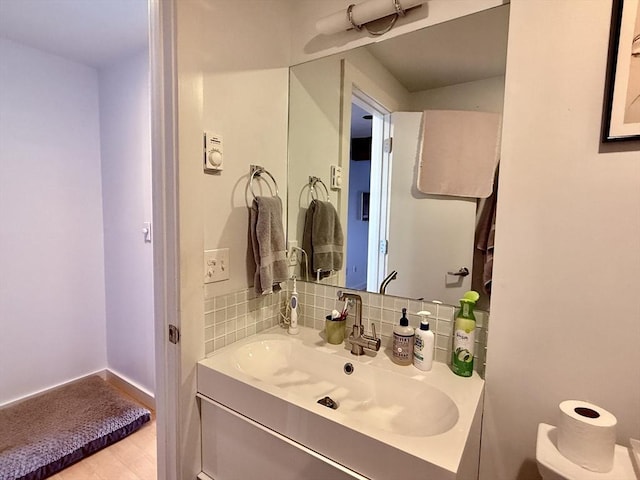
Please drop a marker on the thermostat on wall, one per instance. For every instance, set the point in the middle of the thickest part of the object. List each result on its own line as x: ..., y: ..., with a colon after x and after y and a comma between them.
x: 213, y: 155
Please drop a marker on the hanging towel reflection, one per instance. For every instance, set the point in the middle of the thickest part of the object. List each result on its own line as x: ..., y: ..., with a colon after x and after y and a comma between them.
x: 485, y: 234
x: 323, y: 239
x: 459, y: 152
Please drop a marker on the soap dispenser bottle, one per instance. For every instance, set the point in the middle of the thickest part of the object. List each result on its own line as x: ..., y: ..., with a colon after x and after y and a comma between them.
x: 424, y: 343
x: 403, y: 337
x: 464, y: 336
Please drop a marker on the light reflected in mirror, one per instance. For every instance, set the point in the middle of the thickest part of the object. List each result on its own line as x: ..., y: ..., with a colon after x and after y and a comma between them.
x: 361, y: 111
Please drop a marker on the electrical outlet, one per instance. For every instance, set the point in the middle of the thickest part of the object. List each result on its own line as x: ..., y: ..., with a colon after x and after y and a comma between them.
x: 292, y: 253
x: 216, y: 265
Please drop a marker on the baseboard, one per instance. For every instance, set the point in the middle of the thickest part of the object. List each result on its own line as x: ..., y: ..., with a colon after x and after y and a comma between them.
x: 14, y: 401
x: 130, y: 388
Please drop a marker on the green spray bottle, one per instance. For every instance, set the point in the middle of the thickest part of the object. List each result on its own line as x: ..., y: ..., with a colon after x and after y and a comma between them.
x: 464, y: 336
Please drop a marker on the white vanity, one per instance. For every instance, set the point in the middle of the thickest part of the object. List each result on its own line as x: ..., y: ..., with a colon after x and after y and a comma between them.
x: 261, y: 417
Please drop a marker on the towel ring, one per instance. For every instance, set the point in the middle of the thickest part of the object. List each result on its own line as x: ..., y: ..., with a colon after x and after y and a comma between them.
x: 312, y: 186
x: 257, y: 171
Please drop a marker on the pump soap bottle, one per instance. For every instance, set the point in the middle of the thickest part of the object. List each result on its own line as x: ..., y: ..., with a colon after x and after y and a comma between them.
x: 464, y: 336
x: 403, y: 336
x: 423, y: 345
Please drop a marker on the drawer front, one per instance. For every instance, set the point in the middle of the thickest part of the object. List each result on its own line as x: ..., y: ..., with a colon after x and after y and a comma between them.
x: 235, y: 447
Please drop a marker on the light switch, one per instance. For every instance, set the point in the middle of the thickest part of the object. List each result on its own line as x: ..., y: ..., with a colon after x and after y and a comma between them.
x: 216, y: 265
x: 336, y: 177
x: 146, y: 230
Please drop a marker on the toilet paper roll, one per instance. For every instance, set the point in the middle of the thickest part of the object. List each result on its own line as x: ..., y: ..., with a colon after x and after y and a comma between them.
x: 587, y: 435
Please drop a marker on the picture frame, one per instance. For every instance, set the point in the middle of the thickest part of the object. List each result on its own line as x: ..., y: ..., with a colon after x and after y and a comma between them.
x: 621, y: 113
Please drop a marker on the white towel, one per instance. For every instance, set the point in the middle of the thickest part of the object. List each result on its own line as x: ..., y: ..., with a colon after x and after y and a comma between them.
x: 459, y: 152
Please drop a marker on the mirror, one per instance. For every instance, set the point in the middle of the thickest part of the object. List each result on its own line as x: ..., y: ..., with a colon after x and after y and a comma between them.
x: 354, y: 125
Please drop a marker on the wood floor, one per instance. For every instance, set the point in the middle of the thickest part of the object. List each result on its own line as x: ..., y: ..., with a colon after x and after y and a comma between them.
x: 132, y: 458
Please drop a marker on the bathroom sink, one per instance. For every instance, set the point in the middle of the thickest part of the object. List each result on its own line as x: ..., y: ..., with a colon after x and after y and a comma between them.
x: 387, y: 415
x: 388, y: 402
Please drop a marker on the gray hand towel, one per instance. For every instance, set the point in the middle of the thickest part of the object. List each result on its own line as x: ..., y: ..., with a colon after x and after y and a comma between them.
x: 267, y: 240
x: 323, y: 239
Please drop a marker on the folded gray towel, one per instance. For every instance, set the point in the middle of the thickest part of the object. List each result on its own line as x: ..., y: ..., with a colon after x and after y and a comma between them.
x: 323, y: 239
x: 267, y: 240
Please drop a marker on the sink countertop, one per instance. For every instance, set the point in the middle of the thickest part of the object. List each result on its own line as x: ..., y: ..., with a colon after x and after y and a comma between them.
x: 217, y: 373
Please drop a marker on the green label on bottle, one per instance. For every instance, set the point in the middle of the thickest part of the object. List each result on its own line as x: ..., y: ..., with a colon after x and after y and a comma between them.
x: 463, y: 346
x: 462, y: 362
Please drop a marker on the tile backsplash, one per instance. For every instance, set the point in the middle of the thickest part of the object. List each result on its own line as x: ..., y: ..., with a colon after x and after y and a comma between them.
x: 231, y: 317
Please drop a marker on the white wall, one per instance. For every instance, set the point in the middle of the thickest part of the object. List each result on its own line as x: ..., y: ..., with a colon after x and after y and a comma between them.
x: 482, y: 95
x: 245, y: 99
x: 564, y: 313
x: 126, y: 199
x: 52, y: 303
x: 314, y: 141
x: 253, y: 122
x: 219, y: 42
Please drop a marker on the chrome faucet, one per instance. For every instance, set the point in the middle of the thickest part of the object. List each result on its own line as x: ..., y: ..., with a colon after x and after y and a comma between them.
x: 387, y: 281
x: 357, y: 338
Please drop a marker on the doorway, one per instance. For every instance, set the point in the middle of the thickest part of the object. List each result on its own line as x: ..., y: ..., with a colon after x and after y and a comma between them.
x: 367, y: 211
x: 75, y: 79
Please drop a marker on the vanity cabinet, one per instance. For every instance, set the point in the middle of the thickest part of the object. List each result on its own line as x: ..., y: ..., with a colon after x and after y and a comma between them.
x: 235, y: 447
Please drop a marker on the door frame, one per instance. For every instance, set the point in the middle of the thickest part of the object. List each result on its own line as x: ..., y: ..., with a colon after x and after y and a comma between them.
x: 378, y: 188
x: 166, y: 267
x: 355, y: 84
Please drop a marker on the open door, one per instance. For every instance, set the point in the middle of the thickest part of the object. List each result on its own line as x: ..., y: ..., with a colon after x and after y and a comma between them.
x: 429, y: 235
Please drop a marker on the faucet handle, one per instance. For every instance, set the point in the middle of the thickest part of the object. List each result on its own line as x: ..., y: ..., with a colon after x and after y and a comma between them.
x: 373, y: 335
x: 377, y: 341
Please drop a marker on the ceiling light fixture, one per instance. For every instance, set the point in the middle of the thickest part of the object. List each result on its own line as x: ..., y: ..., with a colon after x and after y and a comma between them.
x: 358, y: 16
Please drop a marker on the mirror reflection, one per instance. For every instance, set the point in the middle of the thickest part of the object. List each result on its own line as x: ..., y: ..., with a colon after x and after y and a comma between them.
x: 363, y: 128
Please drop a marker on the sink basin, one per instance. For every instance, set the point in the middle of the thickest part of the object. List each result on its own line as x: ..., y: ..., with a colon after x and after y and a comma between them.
x: 387, y: 415
x: 388, y: 402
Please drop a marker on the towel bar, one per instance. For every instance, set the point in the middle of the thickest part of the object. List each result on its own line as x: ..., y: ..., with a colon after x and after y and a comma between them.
x: 257, y: 171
